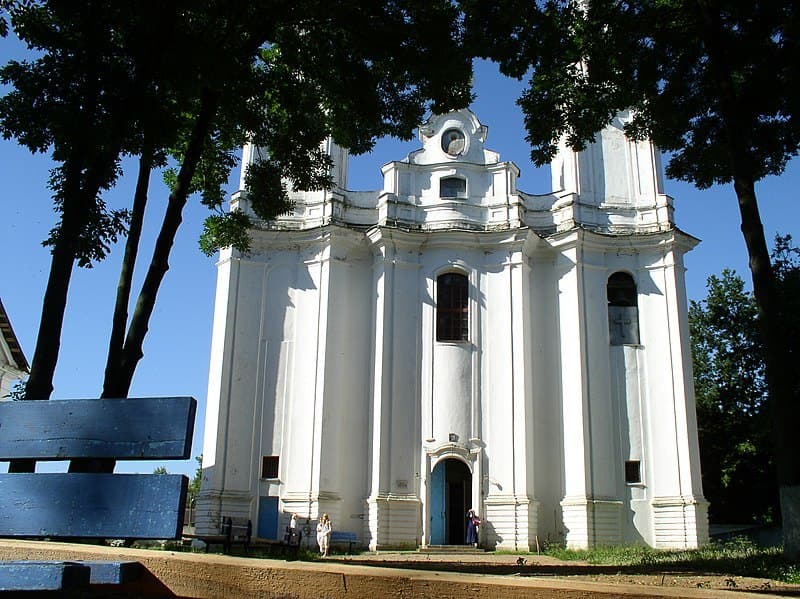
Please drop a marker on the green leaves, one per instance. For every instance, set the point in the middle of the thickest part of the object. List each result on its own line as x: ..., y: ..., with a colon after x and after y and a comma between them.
x: 710, y: 83
x: 230, y: 229
x: 736, y: 435
x: 731, y: 397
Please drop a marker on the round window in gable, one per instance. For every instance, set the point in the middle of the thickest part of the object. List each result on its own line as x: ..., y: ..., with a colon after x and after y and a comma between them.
x: 453, y: 142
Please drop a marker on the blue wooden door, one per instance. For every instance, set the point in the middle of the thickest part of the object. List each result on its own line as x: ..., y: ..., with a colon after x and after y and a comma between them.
x: 438, y: 504
x: 268, y: 517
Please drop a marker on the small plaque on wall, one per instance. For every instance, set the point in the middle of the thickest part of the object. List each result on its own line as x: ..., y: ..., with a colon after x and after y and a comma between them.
x: 401, y: 484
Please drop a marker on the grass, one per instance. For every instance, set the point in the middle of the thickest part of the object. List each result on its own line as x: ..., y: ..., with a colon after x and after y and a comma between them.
x: 737, y: 557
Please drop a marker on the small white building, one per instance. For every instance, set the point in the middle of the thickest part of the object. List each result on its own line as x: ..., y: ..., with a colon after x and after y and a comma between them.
x: 13, y: 365
x: 396, y: 357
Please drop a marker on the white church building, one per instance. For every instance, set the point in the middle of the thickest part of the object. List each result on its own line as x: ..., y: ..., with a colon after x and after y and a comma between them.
x: 394, y: 358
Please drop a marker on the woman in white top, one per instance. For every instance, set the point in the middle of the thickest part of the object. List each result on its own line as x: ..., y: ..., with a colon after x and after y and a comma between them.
x: 324, y: 529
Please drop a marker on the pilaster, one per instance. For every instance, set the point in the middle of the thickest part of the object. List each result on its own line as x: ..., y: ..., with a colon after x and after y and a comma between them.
x: 575, y: 411
x: 510, y: 522
x: 393, y: 521
x: 592, y: 522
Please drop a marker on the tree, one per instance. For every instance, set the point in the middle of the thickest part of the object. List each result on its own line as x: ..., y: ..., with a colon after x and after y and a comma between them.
x: 316, y: 77
x: 80, y: 98
x: 69, y: 100
x: 731, y: 393
x: 160, y: 470
x: 197, y: 480
x: 194, y: 80
x: 733, y: 421
x: 711, y: 82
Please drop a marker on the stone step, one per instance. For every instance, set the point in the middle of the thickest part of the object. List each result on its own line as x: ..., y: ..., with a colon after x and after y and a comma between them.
x: 450, y: 549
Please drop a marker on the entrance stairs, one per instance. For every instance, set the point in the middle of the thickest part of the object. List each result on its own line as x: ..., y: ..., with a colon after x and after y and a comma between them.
x: 457, y: 549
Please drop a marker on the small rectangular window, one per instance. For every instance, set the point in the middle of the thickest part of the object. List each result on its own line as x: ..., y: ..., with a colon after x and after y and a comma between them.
x: 633, y: 472
x: 269, y: 466
x: 452, y: 187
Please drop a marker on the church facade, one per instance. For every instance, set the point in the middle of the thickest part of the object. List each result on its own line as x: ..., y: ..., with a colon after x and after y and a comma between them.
x: 395, y: 358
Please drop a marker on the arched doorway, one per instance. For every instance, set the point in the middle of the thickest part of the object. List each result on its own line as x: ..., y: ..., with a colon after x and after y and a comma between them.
x: 451, y: 497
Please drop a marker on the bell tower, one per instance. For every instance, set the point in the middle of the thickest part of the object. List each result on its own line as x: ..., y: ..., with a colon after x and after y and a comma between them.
x: 617, y: 183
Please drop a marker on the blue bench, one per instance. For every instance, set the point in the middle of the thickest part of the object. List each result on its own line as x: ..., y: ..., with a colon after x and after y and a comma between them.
x: 232, y: 531
x: 339, y: 537
x: 91, y: 505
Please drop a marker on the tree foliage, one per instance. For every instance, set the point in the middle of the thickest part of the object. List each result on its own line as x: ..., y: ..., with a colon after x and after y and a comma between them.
x: 194, y: 484
x: 712, y: 82
x: 69, y: 99
x: 731, y: 393
x: 190, y: 82
x: 693, y: 73
x: 734, y: 423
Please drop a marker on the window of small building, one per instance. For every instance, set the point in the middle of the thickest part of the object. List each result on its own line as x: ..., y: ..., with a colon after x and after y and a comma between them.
x: 633, y: 472
x: 623, y: 310
x: 269, y: 466
x: 452, y: 187
x: 452, y: 307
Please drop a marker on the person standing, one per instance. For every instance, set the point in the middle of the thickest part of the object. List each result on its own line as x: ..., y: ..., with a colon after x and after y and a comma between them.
x: 293, y: 534
x: 473, y: 521
x: 324, y: 530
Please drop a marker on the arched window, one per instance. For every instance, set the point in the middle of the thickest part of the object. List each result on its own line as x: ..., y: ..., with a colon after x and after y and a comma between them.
x: 452, y: 187
x: 623, y: 310
x: 452, y: 307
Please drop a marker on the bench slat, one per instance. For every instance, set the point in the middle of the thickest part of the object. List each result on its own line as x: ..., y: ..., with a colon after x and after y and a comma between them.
x: 43, y: 576
x: 117, y: 506
x: 124, y: 429
x: 113, y: 572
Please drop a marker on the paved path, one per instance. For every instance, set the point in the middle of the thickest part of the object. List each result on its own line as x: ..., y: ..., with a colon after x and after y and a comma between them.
x: 487, y: 558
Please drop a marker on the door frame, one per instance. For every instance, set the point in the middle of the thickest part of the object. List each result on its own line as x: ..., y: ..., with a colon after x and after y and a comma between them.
x: 471, y: 457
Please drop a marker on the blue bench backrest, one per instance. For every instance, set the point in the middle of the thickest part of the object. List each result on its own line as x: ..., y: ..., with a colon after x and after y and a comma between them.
x: 152, y: 428
x: 72, y: 505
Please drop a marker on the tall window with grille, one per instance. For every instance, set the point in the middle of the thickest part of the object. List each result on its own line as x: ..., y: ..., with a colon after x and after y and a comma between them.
x: 452, y: 307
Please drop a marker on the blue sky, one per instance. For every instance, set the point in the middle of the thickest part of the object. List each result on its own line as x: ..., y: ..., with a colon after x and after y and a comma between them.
x: 177, y: 347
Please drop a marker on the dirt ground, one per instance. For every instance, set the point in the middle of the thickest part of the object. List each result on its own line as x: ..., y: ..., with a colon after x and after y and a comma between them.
x: 708, y: 581
x: 545, y: 566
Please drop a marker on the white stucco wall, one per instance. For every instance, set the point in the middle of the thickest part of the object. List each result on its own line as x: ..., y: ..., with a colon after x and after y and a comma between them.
x: 324, y: 353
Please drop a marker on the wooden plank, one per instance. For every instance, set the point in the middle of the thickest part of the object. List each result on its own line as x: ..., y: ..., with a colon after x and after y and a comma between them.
x: 75, y: 505
x: 152, y: 428
x: 43, y: 576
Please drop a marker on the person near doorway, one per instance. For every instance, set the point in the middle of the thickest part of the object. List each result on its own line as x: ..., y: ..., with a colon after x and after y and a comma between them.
x: 324, y: 530
x: 293, y: 534
x: 473, y: 522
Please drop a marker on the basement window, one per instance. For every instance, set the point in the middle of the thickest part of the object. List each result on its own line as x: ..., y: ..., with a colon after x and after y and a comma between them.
x: 633, y: 472
x: 269, y: 466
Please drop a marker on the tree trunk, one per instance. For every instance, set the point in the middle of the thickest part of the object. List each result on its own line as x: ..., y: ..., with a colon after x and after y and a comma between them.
x: 779, y: 372
x: 120, y: 319
x: 48, y: 342
x: 54, y: 304
x: 159, y: 264
x: 120, y: 375
x: 783, y: 404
